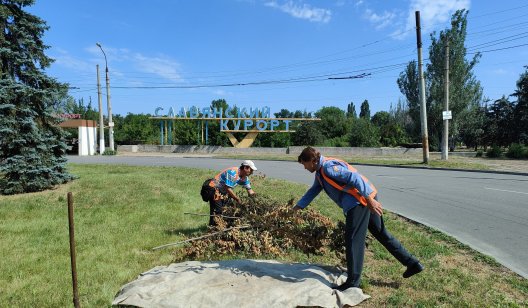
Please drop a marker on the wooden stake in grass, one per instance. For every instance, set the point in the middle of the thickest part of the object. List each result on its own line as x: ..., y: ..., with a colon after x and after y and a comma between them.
x: 200, y: 237
x: 72, y: 251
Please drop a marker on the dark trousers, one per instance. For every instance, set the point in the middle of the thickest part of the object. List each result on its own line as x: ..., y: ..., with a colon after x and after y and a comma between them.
x: 377, y: 229
x: 215, y: 208
x: 357, y: 220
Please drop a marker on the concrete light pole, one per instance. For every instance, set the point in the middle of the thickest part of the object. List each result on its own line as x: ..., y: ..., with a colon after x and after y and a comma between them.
x: 110, y: 122
x: 423, y: 102
x: 101, y: 125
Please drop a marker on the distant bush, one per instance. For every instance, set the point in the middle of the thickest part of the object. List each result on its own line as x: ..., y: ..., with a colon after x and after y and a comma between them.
x: 337, y: 142
x: 109, y: 152
x: 479, y: 153
x: 494, y: 152
x: 517, y: 151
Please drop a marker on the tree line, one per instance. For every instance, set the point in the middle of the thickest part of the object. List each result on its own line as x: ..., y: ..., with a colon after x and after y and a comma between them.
x: 477, y: 122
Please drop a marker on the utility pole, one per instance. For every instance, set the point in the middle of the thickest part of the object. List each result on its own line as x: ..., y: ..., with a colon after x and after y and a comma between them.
x: 446, y: 115
x: 423, y: 110
x: 101, y: 124
x: 109, y: 105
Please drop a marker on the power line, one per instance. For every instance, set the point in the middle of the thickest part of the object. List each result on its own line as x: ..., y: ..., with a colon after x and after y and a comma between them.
x: 292, y: 80
x: 498, y: 49
x: 501, y: 40
x: 498, y: 12
x: 311, y: 63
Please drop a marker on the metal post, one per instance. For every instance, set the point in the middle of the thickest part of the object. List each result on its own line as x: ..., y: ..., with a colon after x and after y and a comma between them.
x: 206, y: 132
x: 161, y: 132
x: 108, y: 103
x: 72, y: 252
x: 169, y: 133
x: 445, y: 139
x: 423, y: 109
x: 202, y: 132
x: 101, y: 124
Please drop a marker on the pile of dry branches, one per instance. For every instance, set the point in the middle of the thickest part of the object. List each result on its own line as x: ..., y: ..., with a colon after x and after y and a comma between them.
x: 267, y: 227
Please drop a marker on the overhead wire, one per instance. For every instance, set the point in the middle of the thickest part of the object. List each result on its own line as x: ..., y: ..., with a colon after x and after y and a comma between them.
x: 325, y: 60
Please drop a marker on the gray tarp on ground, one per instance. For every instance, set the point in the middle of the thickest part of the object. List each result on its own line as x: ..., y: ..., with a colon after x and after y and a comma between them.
x: 238, y: 283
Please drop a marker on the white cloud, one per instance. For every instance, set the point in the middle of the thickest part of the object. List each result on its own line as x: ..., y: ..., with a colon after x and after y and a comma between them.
x: 302, y: 11
x: 381, y: 21
x: 65, y: 59
x: 432, y: 13
x: 161, y: 66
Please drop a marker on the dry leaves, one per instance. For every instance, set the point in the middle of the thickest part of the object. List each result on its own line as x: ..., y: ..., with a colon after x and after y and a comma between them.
x: 274, y: 229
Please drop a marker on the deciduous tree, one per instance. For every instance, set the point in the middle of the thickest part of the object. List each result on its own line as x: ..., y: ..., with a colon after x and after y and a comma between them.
x: 365, y: 110
x: 464, y: 89
x: 521, y: 108
x: 333, y: 122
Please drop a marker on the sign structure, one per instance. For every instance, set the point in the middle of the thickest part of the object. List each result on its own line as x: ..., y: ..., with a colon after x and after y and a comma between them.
x: 239, y: 120
x: 446, y: 115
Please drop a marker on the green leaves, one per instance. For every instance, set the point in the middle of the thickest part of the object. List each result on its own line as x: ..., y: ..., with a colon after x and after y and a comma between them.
x: 32, y: 148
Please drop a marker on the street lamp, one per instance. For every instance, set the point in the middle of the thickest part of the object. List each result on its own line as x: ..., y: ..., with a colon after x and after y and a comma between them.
x: 101, y: 124
x: 110, y: 123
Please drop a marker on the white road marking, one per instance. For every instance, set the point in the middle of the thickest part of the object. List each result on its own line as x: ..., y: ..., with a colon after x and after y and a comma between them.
x: 512, y: 191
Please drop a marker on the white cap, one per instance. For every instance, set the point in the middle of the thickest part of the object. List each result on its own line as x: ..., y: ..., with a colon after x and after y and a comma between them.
x: 250, y: 164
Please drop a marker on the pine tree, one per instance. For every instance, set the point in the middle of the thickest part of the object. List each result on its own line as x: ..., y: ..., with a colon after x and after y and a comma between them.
x: 32, y: 147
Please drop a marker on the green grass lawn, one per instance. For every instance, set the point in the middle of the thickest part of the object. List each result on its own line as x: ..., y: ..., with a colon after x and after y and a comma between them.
x: 393, y: 160
x: 122, y: 212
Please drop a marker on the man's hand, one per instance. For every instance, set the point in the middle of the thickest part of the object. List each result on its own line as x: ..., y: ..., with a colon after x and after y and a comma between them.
x: 374, y: 206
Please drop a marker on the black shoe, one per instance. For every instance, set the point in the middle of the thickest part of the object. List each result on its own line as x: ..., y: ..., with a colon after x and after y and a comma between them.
x: 413, y: 269
x: 346, y: 285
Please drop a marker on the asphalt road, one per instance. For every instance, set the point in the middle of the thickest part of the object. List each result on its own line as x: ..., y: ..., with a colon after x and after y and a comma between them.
x: 487, y: 211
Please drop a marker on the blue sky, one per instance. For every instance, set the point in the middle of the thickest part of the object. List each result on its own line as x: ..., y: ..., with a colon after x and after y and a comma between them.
x: 276, y: 53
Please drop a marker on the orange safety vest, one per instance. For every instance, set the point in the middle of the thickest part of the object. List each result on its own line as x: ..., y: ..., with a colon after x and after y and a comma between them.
x: 353, y: 191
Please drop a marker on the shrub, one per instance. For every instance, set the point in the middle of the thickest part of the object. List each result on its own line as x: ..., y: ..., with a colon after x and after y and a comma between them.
x: 364, y: 134
x: 479, y: 153
x: 516, y: 151
x: 337, y: 142
x: 109, y: 152
x: 494, y: 152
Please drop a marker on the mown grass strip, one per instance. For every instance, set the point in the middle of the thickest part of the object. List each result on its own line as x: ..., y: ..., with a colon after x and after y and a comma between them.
x: 122, y: 212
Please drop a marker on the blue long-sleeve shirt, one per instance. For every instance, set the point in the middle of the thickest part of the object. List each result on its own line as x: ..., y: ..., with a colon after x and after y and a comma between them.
x: 337, y: 171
